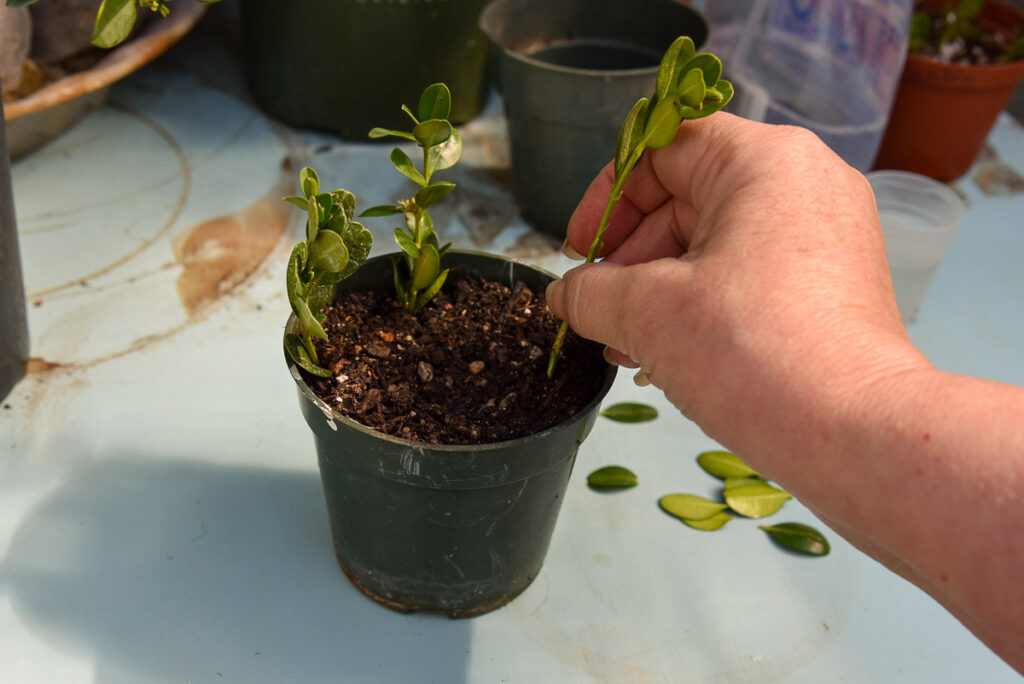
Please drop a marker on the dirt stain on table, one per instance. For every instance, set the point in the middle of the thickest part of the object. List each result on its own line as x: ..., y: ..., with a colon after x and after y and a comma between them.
x: 996, y: 178
x: 219, y: 254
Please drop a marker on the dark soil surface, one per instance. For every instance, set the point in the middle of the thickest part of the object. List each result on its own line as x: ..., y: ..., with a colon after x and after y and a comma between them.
x: 468, y: 369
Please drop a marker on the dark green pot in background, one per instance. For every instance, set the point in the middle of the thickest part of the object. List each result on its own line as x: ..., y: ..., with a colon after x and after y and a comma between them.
x: 13, y: 319
x: 459, y: 530
x: 346, y: 66
x: 569, y: 71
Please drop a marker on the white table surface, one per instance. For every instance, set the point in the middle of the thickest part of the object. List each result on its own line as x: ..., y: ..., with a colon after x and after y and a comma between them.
x: 161, y: 518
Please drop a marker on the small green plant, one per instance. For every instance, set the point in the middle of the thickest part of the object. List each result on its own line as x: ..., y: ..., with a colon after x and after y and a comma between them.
x: 954, y: 33
x: 334, y: 248
x: 418, y: 273
x: 115, y: 18
x: 688, y: 86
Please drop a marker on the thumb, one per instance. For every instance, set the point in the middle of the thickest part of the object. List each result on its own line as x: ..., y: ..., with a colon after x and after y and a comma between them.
x: 612, y: 304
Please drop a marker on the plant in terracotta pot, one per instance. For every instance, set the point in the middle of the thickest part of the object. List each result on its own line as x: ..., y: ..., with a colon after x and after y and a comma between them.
x: 443, y: 447
x: 963, y: 65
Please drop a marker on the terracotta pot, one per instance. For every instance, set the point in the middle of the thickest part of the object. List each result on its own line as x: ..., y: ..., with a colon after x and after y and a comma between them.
x: 943, y: 112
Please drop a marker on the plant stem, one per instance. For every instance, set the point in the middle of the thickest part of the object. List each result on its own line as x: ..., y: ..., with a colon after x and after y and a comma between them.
x: 595, y: 246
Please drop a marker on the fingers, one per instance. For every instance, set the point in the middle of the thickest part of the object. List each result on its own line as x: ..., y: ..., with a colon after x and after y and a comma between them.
x: 617, y: 305
x: 709, y: 159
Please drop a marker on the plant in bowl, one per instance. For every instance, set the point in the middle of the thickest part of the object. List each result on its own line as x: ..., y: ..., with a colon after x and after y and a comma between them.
x: 115, y: 19
x: 444, y: 449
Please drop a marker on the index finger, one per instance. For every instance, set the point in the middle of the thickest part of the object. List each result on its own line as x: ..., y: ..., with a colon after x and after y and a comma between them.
x: 697, y: 167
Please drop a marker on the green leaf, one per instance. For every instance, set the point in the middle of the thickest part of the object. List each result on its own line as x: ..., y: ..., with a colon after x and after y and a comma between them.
x: 432, y: 132
x: 114, y: 21
x: 426, y: 295
x: 678, y: 54
x: 709, y: 107
x: 406, y: 243
x: 755, y: 500
x: 433, y: 193
x: 376, y: 133
x: 426, y: 268
x: 412, y: 116
x: 321, y: 290
x: 309, y: 326
x: 662, y: 124
x: 300, y: 202
x: 441, y: 157
x: 723, y: 464
x: 326, y: 202
x: 346, y: 200
x: 359, y: 242
x: 382, y: 210
x: 400, y: 291
x: 740, y: 481
x: 630, y: 135
x: 709, y: 524
x: 435, y: 102
x: 798, y: 537
x: 628, y: 412
x: 309, y: 182
x: 328, y: 253
x: 707, y: 63
x: 293, y: 345
x: 312, y: 219
x: 293, y: 277
x: 690, y: 506
x: 612, y: 476
x: 692, y: 89
x: 402, y: 162
x: 920, y: 31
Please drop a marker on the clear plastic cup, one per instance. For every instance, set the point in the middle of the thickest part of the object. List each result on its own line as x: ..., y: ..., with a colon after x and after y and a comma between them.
x: 919, y: 217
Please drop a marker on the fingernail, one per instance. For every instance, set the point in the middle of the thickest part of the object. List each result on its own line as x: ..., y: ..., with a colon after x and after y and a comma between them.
x: 608, y: 357
x: 641, y: 379
x: 568, y: 251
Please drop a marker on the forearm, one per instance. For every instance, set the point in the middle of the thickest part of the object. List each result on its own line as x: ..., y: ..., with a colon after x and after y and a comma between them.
x: 924, y: 470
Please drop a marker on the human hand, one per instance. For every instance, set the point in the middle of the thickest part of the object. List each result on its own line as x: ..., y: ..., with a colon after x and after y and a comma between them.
x: 744, y: 271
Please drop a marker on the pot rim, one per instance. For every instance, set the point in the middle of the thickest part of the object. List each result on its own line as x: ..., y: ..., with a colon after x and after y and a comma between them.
x: 495, y: 6
x: 336, y: 417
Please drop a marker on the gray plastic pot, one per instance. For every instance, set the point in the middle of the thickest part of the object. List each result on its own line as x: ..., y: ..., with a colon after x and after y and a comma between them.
x: 13, y: 319
x: 459, y: 529
x: 569, y: 72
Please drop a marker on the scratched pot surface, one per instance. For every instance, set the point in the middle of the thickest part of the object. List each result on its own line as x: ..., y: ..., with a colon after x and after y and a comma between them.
x: 161, y: 517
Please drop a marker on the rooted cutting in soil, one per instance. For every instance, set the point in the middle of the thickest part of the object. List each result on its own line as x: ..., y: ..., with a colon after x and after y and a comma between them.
x: 469, y: 369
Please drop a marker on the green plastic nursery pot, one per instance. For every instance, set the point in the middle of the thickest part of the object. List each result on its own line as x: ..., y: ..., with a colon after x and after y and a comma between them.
x: 13, y: 320
x: 459, y: 529
x: 346, y: 66
x: 569, y: 72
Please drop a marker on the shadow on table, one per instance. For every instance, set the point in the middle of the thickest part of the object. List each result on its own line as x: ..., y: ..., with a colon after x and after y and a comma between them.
x: 182, y: 571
